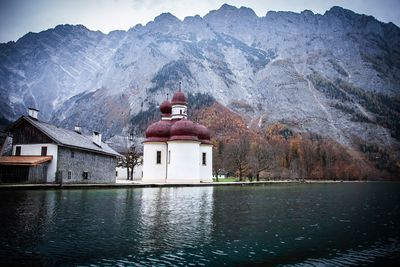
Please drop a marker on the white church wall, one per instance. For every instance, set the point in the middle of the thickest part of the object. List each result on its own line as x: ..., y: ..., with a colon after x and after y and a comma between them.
x: 184, y: 165
x: 153, y: 172
x: 206, y: 170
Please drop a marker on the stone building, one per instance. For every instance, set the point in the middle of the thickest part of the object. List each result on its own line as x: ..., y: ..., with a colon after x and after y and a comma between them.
x: 176, y: 150
x: 45, y: 153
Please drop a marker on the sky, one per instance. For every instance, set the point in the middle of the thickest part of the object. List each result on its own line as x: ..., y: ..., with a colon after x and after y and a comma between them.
x: 18, y: 17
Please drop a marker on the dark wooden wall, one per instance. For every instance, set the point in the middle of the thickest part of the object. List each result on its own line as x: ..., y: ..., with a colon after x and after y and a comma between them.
x: 23, y: 174
x: 25, y: 133
x: 14, y: 174
x: 38, y: 174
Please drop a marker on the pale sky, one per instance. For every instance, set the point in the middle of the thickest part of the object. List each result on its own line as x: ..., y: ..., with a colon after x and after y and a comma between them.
x: 18, y: 17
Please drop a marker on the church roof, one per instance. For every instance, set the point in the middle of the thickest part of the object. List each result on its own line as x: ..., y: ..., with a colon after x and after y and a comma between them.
x: 176, y: 129
x: 158, y: 131
x: 203, y: 133
x: 179, y: 98
x: 166, y: 108
x: 184, y: 130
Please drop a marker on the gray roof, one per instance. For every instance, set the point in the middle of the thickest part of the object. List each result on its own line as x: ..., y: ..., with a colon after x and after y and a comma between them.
x: 70, y: 138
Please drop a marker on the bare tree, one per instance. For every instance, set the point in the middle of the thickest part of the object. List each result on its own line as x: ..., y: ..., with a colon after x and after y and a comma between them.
x: 260, y: 158
x: 308, y: 156
x: 238, y: 155
x: 131, y: 159
x: 218, y: 159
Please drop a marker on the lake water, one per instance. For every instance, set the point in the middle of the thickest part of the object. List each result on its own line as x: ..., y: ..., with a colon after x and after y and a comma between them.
x: 288, y: 225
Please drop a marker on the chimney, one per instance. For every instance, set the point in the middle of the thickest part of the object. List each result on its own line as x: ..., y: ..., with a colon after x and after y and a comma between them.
x: 33, y: 113
x: 97, y: 138
x: 78, y: 129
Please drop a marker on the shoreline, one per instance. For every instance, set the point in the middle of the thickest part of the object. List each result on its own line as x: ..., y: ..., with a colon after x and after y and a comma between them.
x: 130, y: 184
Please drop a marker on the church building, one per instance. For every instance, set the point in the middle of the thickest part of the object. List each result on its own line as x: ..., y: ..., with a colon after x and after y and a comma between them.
x: 177, y: 150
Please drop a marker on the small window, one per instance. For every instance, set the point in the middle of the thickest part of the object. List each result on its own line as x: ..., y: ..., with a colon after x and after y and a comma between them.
x: 116, y: 173
x: 158, y: 157
x: 17, y: 151
x: 204, y: 159
x: 169, y: 156
x: 44, y: 151
x: 85, y: 175
x: 69, y: 175
x: 180, y: 111
x: 72, y: 154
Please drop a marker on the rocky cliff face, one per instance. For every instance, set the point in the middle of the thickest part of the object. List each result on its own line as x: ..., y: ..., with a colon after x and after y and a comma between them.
x: 335, y: 74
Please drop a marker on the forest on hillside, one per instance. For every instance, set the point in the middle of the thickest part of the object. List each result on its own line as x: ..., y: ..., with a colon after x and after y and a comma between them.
x: 275, y: 151
x: 279, y: 153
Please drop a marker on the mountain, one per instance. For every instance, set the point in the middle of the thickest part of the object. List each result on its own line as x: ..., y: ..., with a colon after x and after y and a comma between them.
x: 336, y: 75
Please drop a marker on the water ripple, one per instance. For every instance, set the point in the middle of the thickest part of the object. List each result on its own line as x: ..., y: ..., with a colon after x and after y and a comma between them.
x: 303, y: 225
x: 354, y: 258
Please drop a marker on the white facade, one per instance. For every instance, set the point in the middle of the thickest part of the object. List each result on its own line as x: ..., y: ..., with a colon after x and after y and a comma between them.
x: 36, y: 150
x: 179, y: 112
x: 183, y: 165
x: 153, y: 171
x: 206, y: 163
x: 181, y: 162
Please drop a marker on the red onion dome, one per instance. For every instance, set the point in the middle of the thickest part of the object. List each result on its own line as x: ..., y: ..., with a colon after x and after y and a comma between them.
x: 166, y: 107
x: 179, y: 98
x: 203, y: 134
x: 158, y: 131
x: 184, y: 130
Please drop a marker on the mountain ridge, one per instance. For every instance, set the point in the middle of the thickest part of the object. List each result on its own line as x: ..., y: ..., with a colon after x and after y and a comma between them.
x: 285, y: 66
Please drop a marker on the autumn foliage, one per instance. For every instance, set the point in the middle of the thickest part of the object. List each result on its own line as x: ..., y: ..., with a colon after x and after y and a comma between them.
x: 277, y: 152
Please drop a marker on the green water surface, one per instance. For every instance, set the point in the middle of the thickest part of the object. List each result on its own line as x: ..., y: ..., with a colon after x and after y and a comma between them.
x: 343, y: 224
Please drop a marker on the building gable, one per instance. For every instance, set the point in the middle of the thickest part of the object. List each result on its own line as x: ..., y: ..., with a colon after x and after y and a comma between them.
x: 26, y: 133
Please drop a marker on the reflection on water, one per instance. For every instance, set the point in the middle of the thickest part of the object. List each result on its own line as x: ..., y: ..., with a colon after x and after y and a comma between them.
x: 295, y: 225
